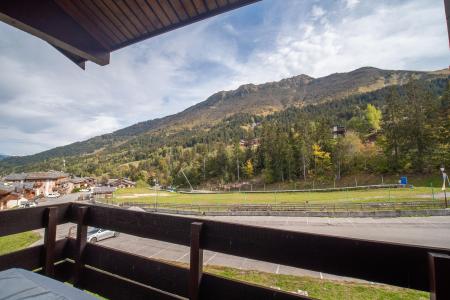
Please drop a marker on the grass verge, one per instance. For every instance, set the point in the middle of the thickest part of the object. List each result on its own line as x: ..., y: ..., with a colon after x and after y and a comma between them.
x: 320, y: 288
x: 17, y: 241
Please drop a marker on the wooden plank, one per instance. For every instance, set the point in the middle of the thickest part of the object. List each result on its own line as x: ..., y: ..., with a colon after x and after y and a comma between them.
x: 211, y: 4
x: 439, y: 276
x: 119, y: 16
x: 190, y: 8
x: 196, y: 261
x: 50, y: 241
x: 157, y: 274
x: 157, y: 10
x: 168, y: 26
x: 97, y: 16
x: 179, y: 9
x: 31, y: 258
x: 114, y: 287
x: 113, y: 19
x: 143, y: 18
x: 46, y: 20
x: 25, y: 219
x: 220, y: 288
x: 200, y: 6
x: 80, y: 244
x: 149, y: 13
x: 91, y: 24
x: 390, y: 263
x: 222, y: 3
x: 130, y: 15
x: 168, y: 11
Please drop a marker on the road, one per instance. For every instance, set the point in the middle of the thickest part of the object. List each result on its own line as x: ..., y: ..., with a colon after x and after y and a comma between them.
x: 62, y: 199
x: 427, y: 231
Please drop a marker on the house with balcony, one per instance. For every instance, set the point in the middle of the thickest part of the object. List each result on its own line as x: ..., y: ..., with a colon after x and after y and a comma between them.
x: 43, y: 182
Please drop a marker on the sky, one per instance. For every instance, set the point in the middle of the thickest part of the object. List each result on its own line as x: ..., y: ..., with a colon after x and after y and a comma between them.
x: 47, y: 101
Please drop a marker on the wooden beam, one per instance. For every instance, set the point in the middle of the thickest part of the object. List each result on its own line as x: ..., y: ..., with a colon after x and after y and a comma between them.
x: 80, y: 245
x: 439, y: 276
x: 50, y: 241
x: 46, y: 20
x: 196, y: 261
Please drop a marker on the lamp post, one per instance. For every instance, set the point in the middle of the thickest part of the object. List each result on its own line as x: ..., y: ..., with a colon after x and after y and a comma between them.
x: 444, y: 177
x: 155, y: 182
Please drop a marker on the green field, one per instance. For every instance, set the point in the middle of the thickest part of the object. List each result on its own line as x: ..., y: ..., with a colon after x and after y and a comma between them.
x: 320, y: 288
x: 146, y: 195
x: 17, y: 241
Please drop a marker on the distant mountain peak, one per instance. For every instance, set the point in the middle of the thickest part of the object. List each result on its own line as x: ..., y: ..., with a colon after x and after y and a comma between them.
x: 256, y: 99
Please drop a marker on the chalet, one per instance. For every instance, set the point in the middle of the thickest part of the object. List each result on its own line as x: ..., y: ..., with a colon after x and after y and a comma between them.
x: 121, y: 183
x: 11, y: 193
x: 43, y: 182
x: 249, y: 143
x: 103, y: 192
x: 338, y: 131
x: 81, y: 183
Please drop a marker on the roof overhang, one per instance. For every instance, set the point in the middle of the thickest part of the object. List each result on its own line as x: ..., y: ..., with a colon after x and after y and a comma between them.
x: 89, y: 30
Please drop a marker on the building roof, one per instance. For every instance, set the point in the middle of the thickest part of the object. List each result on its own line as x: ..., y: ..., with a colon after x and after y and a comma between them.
x: 77, y: 180
x: 103, y: 190
x: 6, y: 188
x: 36, y: 176
x: 88, y: 30
x: 16, y: 177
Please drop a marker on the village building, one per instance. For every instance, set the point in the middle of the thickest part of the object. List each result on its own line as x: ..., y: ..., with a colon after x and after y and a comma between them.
x: 12, y: 193
x: 43, y: 182
x: 121, y: 183
x: 338, y: 131
x: 252, y: 143
x: 103, y: 192
x: 81, y: 183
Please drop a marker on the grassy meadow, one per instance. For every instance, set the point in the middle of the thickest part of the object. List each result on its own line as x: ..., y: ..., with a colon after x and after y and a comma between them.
x: 17, y: 241
x: 147, y: 195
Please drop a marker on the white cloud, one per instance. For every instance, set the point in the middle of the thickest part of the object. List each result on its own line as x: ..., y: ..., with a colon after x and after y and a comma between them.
x: 317, y: 12
x: 351, y: 3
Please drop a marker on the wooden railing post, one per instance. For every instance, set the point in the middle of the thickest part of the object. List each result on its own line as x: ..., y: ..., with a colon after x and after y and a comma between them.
x: 439, y: 276
x: 196, y: 261
x: 49, y: 241
x: 80, y: 244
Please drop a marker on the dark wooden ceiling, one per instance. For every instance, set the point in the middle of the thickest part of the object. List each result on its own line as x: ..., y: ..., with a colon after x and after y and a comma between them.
x: 86, y: 30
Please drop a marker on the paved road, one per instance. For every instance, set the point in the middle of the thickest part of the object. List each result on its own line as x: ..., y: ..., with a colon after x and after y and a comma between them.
x: 428, y: 231
x: 62, y: 199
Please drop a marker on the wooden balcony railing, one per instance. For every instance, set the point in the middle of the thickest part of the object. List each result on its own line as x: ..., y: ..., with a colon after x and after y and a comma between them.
x: 119, y: 275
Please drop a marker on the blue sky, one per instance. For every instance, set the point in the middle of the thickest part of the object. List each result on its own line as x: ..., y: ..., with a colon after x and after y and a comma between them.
x: 46, y: 101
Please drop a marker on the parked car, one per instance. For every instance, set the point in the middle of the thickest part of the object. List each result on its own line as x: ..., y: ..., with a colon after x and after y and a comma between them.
x: 85, y: 190
x: 25, y: 203
x: 97, y: 234
x: 53, y: 195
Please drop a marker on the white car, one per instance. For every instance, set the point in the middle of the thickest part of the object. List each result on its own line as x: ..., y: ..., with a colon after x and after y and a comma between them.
x: 26, y: 203
x: 97, y: 234
x: 53, y: 195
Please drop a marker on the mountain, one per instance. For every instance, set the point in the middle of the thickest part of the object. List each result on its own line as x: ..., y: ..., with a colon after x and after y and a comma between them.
x: 3, y: 156
x: 260, y: 100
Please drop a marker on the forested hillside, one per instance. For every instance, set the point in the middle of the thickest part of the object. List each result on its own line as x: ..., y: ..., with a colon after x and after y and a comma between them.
x: 260, y: 100
x: 399, y: 128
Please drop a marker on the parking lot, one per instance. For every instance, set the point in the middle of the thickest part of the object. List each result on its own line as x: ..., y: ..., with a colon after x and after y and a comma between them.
x: 428, y: 231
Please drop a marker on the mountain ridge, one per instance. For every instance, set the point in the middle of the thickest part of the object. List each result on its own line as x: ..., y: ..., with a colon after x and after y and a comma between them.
x: 257, y: 99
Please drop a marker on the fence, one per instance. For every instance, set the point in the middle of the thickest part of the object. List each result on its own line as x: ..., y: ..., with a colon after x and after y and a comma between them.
x: 118, y: 275
x: 291, y: 208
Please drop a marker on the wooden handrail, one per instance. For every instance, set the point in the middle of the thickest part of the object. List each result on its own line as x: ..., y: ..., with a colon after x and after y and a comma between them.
x: 391, y: 263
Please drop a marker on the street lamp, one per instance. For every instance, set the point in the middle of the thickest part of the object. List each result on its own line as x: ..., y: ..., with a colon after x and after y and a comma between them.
x: 155, y: 182
x: 444, y: 177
